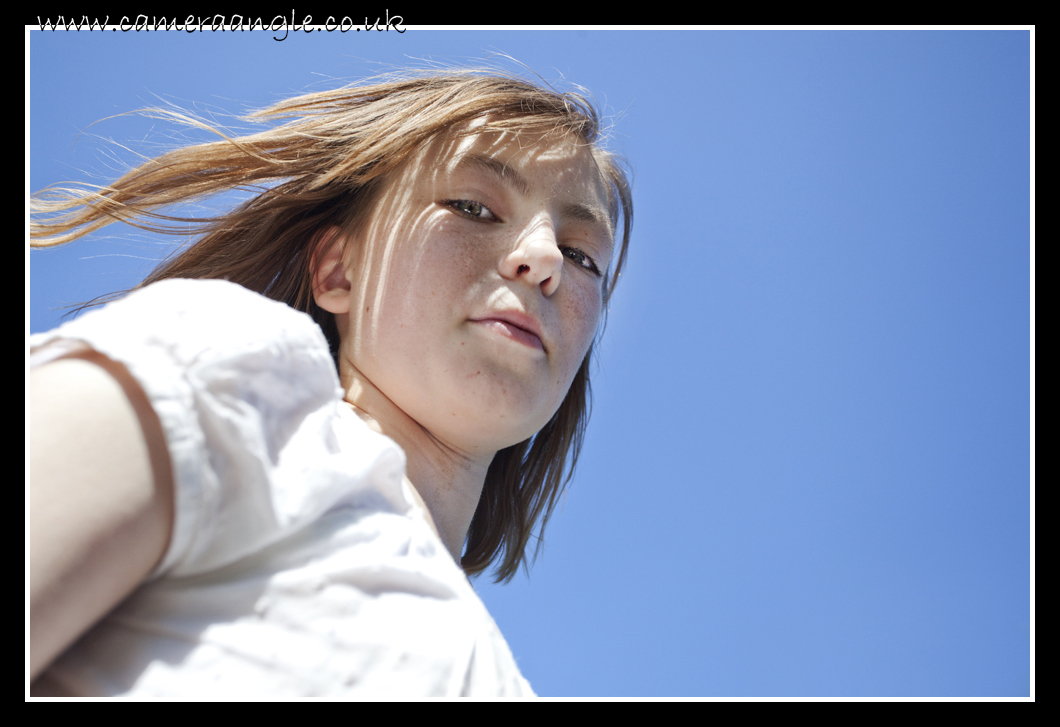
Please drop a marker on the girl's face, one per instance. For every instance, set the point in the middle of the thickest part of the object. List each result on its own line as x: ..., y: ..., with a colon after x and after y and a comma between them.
x: 477, y: 285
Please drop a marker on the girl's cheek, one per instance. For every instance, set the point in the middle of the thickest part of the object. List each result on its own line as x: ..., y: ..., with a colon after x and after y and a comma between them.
x: 586, y: 308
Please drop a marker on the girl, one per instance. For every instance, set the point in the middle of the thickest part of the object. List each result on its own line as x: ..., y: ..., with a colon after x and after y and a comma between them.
x: 292, y: 441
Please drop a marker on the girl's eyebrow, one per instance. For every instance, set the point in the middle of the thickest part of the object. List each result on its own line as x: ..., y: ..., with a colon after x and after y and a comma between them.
x: 510, y: 177
x: 591, y: 214
x: 515, y: 181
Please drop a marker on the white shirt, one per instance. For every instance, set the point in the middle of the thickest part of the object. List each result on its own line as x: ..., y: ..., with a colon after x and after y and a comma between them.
x: 300, y: 562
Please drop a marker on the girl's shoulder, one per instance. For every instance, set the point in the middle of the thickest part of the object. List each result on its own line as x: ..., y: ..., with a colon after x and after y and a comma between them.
x: 243, y: 387
x: 197, y: 324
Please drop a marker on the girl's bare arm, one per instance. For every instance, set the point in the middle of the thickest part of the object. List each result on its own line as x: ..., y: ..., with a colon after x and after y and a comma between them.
x: 101, y: 497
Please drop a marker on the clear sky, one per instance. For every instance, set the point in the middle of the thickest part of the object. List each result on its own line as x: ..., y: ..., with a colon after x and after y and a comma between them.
x: 808, y: 471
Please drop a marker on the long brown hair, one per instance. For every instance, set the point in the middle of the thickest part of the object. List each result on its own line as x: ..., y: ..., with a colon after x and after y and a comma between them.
x: 325, y: 160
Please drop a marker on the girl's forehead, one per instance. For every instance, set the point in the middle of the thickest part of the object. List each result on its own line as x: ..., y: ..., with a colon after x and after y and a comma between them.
x: 515, y: 148
x: 519, y: 159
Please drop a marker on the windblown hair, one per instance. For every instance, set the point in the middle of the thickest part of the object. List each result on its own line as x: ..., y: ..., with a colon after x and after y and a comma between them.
x: 322, y: 163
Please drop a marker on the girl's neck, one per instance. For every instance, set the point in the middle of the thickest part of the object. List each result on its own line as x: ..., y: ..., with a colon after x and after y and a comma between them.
x: 448, y: 482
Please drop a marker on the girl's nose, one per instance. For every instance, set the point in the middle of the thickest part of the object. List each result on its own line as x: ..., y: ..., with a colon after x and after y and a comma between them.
x: 536, y: 259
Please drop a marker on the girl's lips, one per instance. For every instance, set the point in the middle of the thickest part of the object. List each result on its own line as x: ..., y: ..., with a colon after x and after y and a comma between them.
x: 512, y: 330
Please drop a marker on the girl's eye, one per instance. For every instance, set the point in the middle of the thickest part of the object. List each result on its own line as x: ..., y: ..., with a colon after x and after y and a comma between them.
x: 581, y: 259
x: 471, y: 208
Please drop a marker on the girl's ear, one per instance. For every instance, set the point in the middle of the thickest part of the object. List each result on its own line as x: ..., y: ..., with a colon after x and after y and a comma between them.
x: 331, y: 280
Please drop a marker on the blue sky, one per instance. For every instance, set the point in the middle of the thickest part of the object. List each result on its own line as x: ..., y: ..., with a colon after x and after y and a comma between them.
x: 808, y: 471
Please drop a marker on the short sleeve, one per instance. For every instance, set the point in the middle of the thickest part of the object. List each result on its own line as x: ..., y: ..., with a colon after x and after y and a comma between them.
x: 248, y: 397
